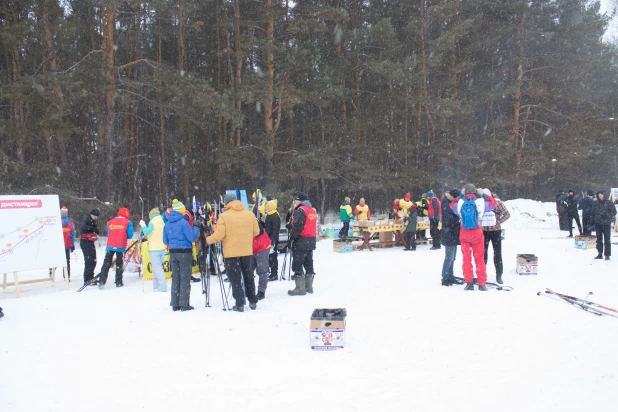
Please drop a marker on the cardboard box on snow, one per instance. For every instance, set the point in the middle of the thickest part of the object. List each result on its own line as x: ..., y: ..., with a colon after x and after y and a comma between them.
x: 342, y: 247
x: 527, y: 264
x: 585, y: 242
x: 327, y: 329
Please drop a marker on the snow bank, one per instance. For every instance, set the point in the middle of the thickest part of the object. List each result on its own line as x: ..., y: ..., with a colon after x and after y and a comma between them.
x: 411, y: 343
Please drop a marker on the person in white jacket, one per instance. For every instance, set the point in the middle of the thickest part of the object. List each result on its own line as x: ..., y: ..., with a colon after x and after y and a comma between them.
x: 156, y: 248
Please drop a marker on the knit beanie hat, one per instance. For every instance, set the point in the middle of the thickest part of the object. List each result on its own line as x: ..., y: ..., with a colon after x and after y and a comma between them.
x: 301, y: 196
x: 228, y: 197
x: 124, y: 212
x: 407, y: 196
x: 347, y: 199
x: 178, y: 206
x: 487, y: 192
x: 153, y: 212
x: 469, y: 189
x: 272, y: 204
x: 95, y: 212
x: 64, y: 212
x: 362, y: 200
x: 455, y: 193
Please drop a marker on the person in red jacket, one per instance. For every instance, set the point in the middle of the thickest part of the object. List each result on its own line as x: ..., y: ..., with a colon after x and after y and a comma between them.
x: 261, y: 250
x: 68, y: 232
x: 119, y: 230
x: 302, y: 242
x: 434, y: 211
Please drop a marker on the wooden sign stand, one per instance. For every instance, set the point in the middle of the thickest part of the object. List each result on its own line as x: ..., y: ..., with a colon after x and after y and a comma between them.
x: 33, y: 283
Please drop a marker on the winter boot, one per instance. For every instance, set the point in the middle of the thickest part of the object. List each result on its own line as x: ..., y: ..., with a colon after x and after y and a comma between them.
x: 273, y: 277
x: 483, y: 288
x: 309, y: 282
x: 239, y: 307
x: 186, y: 308
x: 260, y: 296
x: 469, y: 286
x: 299, y: 290
x: 599, y: 256
x: 446, y: 282
x: 606, y: 257
x: 101, y: 286
x: 499, y: 279
x: 253, y: 305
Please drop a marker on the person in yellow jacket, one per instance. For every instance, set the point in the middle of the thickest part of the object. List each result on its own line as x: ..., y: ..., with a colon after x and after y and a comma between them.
x: 405, y: 204
x: 361, y: 211
x: 237, y: 227
x: 345, y: 214
x: 156, y: 248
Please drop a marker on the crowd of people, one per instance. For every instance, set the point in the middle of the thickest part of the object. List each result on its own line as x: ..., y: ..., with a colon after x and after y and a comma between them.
x: 598, y: 214
x: 249, y: 241
x: 469, y: 219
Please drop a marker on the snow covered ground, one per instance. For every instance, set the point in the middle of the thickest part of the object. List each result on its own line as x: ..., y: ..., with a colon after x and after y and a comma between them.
x: 411, y: 344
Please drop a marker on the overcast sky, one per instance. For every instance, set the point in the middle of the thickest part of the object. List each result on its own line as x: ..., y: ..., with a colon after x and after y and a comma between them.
x: 612, y: 31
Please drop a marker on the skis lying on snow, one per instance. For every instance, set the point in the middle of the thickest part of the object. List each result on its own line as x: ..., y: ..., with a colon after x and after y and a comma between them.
x: 492, y: 285
x: 583, y: 304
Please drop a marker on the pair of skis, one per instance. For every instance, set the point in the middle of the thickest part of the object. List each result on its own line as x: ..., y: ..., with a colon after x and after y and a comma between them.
x: 583, y: 304
x: 491, y: 285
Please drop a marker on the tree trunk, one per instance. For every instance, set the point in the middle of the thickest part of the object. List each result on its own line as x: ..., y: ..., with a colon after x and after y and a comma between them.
x: 109, y: 73
x: 513, y: 138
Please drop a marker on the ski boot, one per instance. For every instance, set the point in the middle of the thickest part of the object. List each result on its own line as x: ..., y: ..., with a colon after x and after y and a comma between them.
x: 599, y: 256
x: 299, y: 290
x: 260, y: 295
x: 499, y: 279
x: 309, y: 282
x: 469, y: 286
x: 483, y: 288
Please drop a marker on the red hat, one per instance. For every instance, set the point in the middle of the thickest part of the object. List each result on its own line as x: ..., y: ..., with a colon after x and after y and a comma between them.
x: 407, y: 196
x: 124, y: 212
x: 64, y: 212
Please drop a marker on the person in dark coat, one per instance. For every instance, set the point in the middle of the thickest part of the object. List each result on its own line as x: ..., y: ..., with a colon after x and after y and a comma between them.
x: 562, y: 210
x: 586, y: 205
x: 449, y: 237
x: 303, y: 242
x: 572, y: 213
x: 603, y: 217
x: 272, y: 224
x: 89, y: 231
x: 410, y: 240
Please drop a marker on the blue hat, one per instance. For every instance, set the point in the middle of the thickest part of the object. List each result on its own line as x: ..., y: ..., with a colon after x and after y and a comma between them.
x: 430, y: 193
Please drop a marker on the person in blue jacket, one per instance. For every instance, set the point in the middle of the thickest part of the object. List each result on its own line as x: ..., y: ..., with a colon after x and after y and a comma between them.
x: 179, y: 236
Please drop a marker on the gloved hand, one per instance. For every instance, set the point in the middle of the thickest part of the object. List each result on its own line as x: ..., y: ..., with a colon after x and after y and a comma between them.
x: 142, y: 223
x: 73, y: 249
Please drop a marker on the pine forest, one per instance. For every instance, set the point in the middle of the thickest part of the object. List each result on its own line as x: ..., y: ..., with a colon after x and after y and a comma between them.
x: 364, y: 98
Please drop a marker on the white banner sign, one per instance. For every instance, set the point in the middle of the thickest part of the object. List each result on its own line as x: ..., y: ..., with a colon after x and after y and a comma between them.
x: 30, y: 233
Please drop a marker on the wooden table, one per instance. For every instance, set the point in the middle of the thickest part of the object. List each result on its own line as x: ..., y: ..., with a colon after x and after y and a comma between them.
x: 398, y: 228
x: 369, y: 231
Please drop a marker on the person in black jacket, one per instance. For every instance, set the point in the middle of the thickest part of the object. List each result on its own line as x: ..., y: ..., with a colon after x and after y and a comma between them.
x: 572, y: 213
x: 272, y: 224
x: 603, y: 217
x: 89, y: 231
x: 562, y: 210
x: 303, y: 242
x: 586, y: 205
x: 449, y: 237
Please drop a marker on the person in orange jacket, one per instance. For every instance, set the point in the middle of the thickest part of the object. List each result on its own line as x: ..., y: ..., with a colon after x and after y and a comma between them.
x: 361, y: 211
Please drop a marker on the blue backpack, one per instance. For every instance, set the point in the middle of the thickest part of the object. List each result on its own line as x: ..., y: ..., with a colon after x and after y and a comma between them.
x: 469, y: 214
